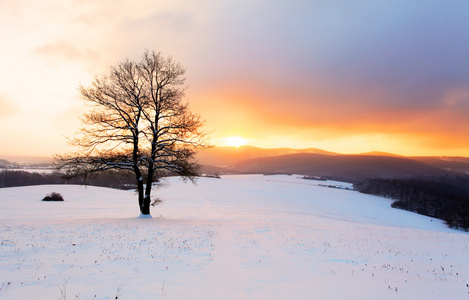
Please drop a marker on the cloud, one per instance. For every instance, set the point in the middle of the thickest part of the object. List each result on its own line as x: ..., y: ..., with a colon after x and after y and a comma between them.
x: 67, y: 51
x: 7, y: 106
x: 406, y: 51
x: 363, y: 67
x: 68, y: 119
x: 312, y: 69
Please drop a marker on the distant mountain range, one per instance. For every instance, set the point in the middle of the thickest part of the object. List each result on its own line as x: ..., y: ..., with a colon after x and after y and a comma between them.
x: 317, y: 162
x: 16, y: 159
x: 225, y: 157
x: 310, y: 161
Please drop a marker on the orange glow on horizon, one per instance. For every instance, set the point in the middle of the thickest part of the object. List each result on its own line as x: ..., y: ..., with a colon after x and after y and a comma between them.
x: 321, y: 124
x: 358, y: 144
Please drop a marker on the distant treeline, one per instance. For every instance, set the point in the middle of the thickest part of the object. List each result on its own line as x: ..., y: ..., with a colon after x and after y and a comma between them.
x: 445, y: 198
x: 110, y: 179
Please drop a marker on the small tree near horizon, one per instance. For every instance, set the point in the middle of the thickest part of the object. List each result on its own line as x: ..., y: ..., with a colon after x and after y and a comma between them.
x: 138, y: 123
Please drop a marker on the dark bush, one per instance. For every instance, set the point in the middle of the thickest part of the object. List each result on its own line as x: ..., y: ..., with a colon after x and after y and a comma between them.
x: 53, y: 197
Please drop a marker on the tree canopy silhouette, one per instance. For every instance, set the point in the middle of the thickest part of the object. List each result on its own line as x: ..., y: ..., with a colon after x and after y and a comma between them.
x: 138, y: 122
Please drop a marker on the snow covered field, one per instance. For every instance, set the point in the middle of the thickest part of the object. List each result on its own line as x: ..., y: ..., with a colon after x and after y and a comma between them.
x: 238, y: 237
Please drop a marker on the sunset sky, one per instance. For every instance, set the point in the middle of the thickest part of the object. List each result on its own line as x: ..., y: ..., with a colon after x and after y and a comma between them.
x: 343, y: 76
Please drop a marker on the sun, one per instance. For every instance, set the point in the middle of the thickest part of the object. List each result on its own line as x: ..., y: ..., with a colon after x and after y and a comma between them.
x: 233, y: 141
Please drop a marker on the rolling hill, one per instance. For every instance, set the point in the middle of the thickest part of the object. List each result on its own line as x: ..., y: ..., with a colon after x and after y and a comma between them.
x: 346, y: 167
x: 451, y: 163
x: 225, y: 157
x: 317, y: 162
x: 238, y: 237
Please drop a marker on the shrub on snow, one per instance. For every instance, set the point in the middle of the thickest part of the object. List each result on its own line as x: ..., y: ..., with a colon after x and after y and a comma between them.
x: 53, y: 197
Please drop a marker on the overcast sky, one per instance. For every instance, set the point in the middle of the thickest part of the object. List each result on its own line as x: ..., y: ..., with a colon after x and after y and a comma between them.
x: 344, y: 76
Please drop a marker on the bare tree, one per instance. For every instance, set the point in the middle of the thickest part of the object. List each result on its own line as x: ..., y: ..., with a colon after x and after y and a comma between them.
x: 138, y: 122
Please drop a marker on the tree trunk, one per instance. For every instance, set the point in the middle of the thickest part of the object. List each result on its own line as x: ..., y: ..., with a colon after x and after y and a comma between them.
x: 145, y: 210
x: 141, y: 202
x: 140, y: 188
x: 147, y: 200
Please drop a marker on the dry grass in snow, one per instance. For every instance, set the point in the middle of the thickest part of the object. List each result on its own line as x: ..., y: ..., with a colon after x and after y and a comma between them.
x: 238, y: 237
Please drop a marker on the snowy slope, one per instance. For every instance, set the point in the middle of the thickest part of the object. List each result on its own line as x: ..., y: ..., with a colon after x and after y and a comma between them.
x: 239, y: 237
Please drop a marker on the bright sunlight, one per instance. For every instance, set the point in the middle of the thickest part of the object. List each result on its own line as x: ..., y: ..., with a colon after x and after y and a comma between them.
x: 233, y: 141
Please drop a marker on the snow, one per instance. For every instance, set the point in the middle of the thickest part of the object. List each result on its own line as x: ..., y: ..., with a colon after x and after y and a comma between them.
x: 238, y: 237
x: 142, y: 216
